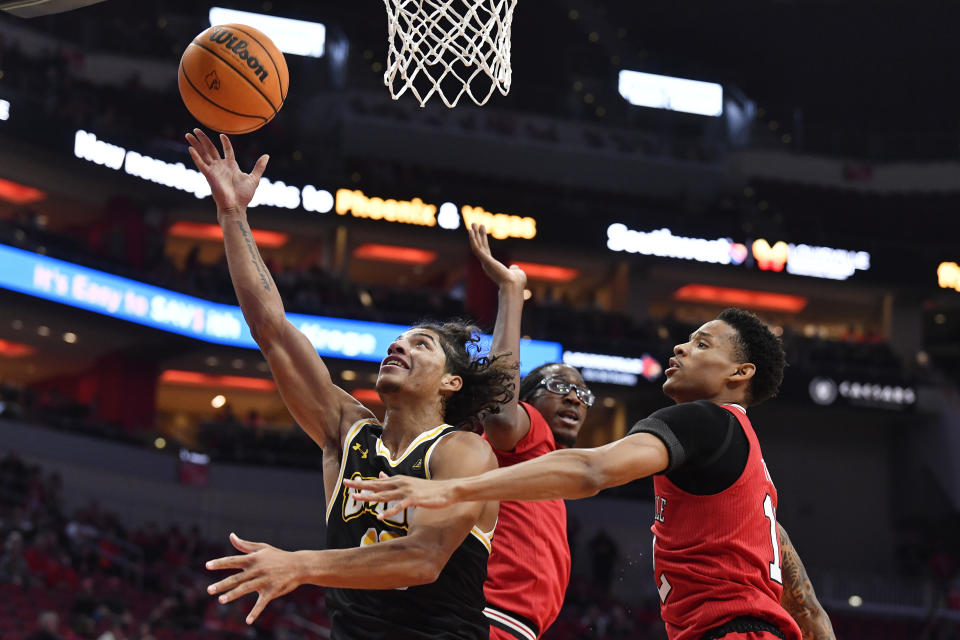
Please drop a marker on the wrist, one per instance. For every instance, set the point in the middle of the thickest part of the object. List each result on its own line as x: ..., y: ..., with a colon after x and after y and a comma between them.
x: 460, y: 489
x: 511, y: 288
x: 308, y: 567
x: 231, y: 213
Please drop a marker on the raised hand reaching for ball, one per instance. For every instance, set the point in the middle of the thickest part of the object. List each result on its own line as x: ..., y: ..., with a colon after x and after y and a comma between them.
x: 232, y: 189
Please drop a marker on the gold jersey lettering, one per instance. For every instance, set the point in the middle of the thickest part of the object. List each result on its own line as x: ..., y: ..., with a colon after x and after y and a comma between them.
x: 353, y: 508
x: 500, y: 225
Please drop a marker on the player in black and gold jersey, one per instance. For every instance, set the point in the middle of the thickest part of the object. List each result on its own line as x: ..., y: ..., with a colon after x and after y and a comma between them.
x: 420, y: 574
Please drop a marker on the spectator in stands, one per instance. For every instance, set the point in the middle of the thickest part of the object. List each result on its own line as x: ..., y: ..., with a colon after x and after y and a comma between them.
x: 13, y: 565
x: 86, y: 604
x: 48, y: 627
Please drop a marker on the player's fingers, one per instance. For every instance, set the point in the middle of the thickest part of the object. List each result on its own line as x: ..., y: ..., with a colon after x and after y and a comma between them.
x: 228, y: 562
x: 228, y: 583
x: 197, y: 160
x: 191, y: 139
x: 210, y: 152
x: 240, y: 590
x: 477, y: 239
x: 394, y: 509
x: 227, y: 147
x: 260, y: 167
x: 484, y: 240
x: 262, y: 601
x: 245, y: 545
x: 355, y: 483
x: 374, y: 496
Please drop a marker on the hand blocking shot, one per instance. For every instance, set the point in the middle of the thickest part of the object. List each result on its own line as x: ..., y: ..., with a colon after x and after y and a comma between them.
x: 723, y: 566
x: 414, y: 574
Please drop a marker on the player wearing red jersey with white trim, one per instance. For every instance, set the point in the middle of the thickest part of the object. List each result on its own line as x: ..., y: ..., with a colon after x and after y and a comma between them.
x: 724, y: 567
x: 527, y: 575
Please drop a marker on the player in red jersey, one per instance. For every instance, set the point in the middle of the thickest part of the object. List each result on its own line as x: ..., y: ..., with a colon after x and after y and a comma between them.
x: 721, y: 561
x: 527, y: 576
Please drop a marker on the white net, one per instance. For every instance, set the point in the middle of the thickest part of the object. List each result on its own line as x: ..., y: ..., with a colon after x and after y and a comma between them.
x: 448, y: 47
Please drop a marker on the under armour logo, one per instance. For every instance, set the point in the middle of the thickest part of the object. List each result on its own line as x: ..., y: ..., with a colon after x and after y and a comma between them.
x: 212, y: 80
x: 363, y: 452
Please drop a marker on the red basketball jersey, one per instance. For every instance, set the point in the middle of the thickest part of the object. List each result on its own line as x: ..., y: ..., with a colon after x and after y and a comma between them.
x: 717, y: 557
x: 529, y: 566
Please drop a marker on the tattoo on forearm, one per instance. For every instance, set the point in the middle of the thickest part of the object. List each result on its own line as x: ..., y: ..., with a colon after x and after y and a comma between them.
x: 798, y: 597
x: 255, y: 256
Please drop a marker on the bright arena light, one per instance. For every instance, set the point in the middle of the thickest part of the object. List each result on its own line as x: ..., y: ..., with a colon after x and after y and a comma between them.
x: 673, y: 94
x: 218, y: 401
x: 4, y: 110
x: 299, y: 37
x: 855, y: 601
x: 448, y: 217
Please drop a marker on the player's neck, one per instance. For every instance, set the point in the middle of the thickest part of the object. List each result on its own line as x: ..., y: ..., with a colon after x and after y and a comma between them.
x: 720, y: 398
x: 402, y: 424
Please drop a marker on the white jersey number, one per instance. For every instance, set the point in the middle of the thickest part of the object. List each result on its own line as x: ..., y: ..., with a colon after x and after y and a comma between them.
x: 776, y: 573
x: 664, y: 587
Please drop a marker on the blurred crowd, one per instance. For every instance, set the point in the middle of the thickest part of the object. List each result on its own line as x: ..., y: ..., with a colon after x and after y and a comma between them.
x: 86, y: 574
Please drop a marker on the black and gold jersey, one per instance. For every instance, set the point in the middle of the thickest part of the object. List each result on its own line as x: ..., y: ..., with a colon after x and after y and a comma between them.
x: 449, y: 608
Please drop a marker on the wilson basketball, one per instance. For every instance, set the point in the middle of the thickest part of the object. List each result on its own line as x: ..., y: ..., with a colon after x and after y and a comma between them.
x: 233, y: 79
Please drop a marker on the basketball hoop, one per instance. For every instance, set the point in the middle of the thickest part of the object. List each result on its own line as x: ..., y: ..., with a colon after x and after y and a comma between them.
x: 448, y: 47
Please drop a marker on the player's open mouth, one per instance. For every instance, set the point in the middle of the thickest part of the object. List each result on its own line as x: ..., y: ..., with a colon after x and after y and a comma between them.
x: 393, y: 361
x: 673, y: 368
x: 569, y: 416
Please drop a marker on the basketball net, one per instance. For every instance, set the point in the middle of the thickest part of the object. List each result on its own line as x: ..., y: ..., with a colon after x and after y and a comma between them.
x: 448, y: 47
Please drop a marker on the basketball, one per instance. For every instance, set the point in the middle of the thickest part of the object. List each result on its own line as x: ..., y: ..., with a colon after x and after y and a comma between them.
x: 233, y: 79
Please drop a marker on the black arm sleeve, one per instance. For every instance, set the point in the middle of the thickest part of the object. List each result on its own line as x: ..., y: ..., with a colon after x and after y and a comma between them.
x: 707, y: 446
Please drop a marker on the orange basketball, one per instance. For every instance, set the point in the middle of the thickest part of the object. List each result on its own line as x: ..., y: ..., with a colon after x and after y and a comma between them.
x: 233, y: 78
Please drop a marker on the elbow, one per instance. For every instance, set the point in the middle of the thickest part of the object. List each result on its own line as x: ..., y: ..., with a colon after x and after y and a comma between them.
x: 593, y: 486
x: 593, y: 474
x: 427, y: 569
x: 265, y: 328
x: 425, y: 561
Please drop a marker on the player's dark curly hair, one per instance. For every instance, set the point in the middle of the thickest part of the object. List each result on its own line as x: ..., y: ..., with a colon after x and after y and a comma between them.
x: 757, y: 344
x: 487, y: 381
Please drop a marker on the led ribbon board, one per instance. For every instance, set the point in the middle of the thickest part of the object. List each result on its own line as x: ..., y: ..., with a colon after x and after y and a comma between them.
x: 597, y: 367
x: 152, y: 306
x: 799, y: 259
x: 176, y: 175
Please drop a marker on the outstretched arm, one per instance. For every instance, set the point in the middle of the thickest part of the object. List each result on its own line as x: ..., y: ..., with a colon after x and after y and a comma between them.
x: 507, y: 427
x: 319, y: 406
x: 414, y: 559
x: 798, y: 597
x: 568, y: 473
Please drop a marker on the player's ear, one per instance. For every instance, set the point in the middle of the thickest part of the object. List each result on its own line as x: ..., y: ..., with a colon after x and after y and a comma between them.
x: 450, y: 383
x: 745, y: 371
